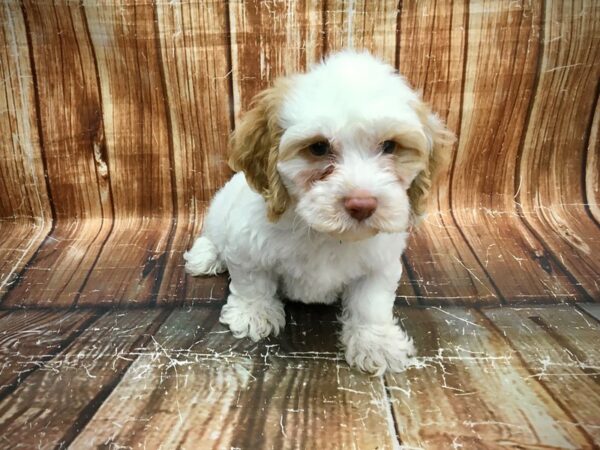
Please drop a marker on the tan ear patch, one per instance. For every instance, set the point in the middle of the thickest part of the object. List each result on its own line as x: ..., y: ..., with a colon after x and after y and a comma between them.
x: 254, y: 148
x: 439, y: 138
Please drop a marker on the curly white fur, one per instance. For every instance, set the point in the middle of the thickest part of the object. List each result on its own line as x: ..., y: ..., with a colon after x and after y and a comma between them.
x: 316, y: 252
x: 202, y: 259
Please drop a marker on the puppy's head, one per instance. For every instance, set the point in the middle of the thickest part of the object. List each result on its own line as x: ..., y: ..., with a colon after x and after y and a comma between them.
x: 348, y: 145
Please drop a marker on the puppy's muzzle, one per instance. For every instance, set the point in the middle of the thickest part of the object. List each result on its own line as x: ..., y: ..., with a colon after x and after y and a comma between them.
x: 360, y: 204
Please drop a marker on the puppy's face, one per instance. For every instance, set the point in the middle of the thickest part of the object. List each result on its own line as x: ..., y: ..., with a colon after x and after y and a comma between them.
x: 351, y: 180
x: 351, y: 148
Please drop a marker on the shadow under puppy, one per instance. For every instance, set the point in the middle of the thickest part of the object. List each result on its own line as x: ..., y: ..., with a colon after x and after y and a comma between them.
x: 334, y: 166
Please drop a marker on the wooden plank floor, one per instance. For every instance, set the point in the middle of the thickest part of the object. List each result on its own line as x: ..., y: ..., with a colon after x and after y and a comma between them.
x: 505, y: 377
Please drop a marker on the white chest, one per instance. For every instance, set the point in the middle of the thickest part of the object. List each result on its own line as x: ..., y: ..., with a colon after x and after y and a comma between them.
x: 317, y: 271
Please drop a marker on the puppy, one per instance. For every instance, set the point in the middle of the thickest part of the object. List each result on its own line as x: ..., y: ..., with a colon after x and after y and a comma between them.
x: 333, y: 167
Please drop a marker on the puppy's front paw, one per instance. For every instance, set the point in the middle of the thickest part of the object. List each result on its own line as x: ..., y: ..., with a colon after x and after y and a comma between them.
x: 255, y: 319
x: 377, y: 348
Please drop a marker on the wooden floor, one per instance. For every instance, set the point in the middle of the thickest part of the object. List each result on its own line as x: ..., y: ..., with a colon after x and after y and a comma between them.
x: 502, y: 377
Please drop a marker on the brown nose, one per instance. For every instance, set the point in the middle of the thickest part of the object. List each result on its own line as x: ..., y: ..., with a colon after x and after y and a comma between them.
x: 360, y: 204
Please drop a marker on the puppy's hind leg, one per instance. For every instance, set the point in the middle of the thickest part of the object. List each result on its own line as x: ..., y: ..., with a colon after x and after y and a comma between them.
x: 252, y: 308
x: 203, y: 258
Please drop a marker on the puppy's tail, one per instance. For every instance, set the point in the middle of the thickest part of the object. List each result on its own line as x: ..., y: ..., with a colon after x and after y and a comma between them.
x: 203, y: 258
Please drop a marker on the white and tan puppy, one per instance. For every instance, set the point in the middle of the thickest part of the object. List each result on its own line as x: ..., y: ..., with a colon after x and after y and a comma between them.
x: 334, y: 166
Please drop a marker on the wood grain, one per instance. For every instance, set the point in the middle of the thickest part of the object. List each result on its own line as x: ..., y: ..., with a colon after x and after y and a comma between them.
x: 19, y: 241
x: 53, y: 403
x: 592, y: 167
x: 506, y: 377
x: 23, y: 193
x: 362, y: 25
x: 557, y: 344
x: 499, y: 84
x: 29, y: 338
x: 139, y: 151
x: 25, y: 212
x: 114, y: 118
x: 269, y: 39
x: 458, y: 393
x: 194, y: 51
x: 72, y: 136
x: 198, y: 385
x: 56, y: 273
x: 554, y: 151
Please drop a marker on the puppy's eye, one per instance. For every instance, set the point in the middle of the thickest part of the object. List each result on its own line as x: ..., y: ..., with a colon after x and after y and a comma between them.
x: 388, y: 147
x: 320, y: 148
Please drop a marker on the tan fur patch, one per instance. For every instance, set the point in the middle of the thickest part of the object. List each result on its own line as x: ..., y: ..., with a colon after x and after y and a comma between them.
x: 439, y: 137
x: 254, y: 148
x: 404, y: 163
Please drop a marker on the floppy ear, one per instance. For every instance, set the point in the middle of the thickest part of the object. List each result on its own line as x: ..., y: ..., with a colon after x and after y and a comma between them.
x: 438, y: 137
x: 254, y: 149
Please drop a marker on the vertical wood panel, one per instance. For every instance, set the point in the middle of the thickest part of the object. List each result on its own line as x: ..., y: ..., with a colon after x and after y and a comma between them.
x: 140, y: 152
x: 269, y: 39
x: 133, y: 102
x: 23, y: 192
x: 73, y: 146
x: 501, y: 65
x: 25, y: 215
x: 195, y: 55
x: 362, y: 25
x: 554, y: 151
x: 70, y: 110
x: 431, y: 54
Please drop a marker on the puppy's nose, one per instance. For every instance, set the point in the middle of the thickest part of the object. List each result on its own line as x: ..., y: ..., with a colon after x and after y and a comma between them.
x: 360, y: 204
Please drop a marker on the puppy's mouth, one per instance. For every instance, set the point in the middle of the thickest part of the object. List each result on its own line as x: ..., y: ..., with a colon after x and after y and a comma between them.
x: 338, y: 224
x: 355, y: 235
x: 358, y: 232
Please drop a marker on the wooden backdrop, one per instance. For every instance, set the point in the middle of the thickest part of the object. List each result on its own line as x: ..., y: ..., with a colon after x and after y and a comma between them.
x: 114, y: 118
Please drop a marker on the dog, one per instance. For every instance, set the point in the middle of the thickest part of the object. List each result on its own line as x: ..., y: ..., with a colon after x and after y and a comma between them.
x: 333, y: 168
